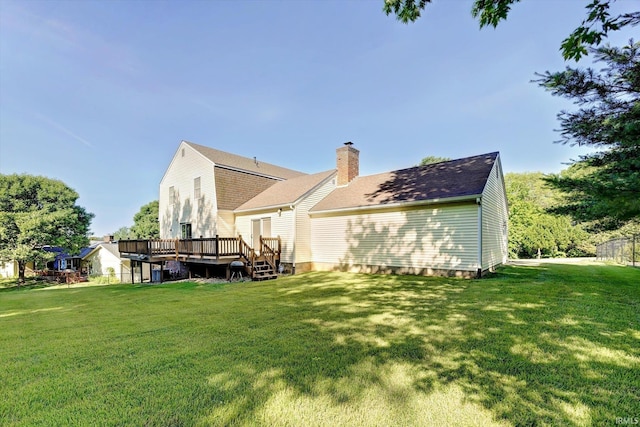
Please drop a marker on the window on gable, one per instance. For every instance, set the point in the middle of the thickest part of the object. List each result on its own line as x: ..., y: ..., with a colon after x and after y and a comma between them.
x: 196, y: 188
x: 172, y: 195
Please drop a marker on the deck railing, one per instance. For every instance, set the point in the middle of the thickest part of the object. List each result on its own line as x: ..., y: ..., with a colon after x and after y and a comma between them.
x: 269, y: 248
x: 209, y: 247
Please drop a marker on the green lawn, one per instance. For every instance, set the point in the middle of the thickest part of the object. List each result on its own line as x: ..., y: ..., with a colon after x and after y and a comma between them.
x: 548, y: 345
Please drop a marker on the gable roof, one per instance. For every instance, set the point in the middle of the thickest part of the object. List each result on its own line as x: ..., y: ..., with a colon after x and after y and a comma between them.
x: 234, y: 161
x: 109, y: 246
x: 287, y: 192
x: 434, y: 182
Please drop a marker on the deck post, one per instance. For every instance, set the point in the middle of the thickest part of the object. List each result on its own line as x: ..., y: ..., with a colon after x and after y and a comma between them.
x: 177, y: 244
x: 217, y: 248
x: 133, y: 265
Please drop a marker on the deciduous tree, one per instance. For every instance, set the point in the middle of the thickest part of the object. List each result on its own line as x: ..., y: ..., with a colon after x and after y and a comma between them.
x: 533, y: 230
x: 36, y: 211
x: 592, y: 31
x: 145, y: 224
x: 433, y: 159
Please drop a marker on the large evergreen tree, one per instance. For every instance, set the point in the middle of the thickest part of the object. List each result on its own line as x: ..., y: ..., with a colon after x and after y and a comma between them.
x: 603, y: 188
x: 36, y: 211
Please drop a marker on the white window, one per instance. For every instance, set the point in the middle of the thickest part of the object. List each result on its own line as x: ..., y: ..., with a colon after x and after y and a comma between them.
x: 172, y: 195
x: 196, y: 188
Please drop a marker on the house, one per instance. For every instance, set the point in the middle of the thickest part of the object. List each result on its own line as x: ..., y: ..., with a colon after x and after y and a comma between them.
x: 443, y: 218
x: 8, y: 269
x: 102, y: 259
x: 447, y: 218
x: 202, y: 187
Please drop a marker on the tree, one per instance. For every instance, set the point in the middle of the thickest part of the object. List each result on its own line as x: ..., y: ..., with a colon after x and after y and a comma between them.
x: 602, y: 188
x: 36, y: 211
x: 145, y: 224
x: 433, y: 159
x: 533, y: 230
x: 593, y: 29
x: 123, y: 233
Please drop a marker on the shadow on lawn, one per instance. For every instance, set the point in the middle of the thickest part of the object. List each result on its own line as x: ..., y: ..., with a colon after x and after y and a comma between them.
x: 530, y: 346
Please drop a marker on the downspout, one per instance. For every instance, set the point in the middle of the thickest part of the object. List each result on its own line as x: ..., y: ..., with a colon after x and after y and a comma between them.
x: 293, y: 252
x: 479, y: 202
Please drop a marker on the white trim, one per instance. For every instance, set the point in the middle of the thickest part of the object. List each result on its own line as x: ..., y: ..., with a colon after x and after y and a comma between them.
x: 397, y: 205
x: 231, y: 168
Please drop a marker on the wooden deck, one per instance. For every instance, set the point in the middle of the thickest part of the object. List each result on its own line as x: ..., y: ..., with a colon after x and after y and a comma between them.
x: 215, y: 251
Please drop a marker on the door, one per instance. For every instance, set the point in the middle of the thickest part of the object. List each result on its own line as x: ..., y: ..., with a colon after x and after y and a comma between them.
x: 259, y: 227
x: 255, y: 234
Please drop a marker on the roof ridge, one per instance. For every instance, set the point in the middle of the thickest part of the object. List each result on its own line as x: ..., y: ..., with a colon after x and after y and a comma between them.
x: 235, y: 161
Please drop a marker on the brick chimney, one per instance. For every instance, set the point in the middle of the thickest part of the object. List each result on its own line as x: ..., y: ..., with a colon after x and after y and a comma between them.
x: 348, y: 162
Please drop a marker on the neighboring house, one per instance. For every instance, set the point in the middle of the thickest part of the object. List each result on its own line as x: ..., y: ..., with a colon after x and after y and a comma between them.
x: 8, y: 269
x: 445, y: 218
x: 100, y: 257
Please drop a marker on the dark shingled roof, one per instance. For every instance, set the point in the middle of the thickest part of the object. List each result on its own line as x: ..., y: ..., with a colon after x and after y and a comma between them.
x: 235, y: 161
x: 437, y: 181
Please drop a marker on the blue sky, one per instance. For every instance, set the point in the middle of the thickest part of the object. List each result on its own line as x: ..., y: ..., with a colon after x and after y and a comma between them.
x: 100, y: 93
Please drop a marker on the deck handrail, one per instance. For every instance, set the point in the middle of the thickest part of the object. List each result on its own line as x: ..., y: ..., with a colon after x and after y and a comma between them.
x: 267, y: 251
x: 270, y: 248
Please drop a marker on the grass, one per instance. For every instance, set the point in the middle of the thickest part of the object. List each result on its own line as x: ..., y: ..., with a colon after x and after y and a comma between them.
x: 546, y: 345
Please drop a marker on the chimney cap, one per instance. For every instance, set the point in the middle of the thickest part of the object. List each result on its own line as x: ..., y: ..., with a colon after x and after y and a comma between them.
x: 348, y: 143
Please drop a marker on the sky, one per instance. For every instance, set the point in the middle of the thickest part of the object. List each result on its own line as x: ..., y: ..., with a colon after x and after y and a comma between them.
x: 100, y: 93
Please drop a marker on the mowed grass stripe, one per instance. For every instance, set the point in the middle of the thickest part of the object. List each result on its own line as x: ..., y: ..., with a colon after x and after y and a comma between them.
x: 547, y: 345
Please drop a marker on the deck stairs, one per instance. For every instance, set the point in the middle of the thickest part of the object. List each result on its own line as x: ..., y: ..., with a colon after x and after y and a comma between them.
x: 262, y: 270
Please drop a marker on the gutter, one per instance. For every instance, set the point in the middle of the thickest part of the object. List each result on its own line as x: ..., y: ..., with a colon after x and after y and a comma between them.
x: 473, y: 197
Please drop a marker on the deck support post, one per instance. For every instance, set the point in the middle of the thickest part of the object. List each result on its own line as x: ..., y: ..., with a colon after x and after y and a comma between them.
x: 133, y: 265
x: 217, y: 248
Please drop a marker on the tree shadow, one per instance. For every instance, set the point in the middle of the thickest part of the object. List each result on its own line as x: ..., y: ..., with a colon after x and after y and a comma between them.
x: 204, y: 222
x: 454, y: 178
x: 527, y: 352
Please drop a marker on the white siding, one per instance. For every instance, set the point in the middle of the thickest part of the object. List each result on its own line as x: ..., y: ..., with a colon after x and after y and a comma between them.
x: 188, y: 164
x: 101, y: 260
x: 494, y: 220
x: 226, y: 223
x: 303, y: 221
x: 443, y: 238
x: 8, y: 269
x: 281, y: 225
